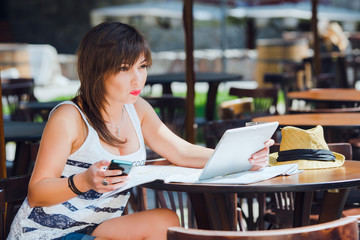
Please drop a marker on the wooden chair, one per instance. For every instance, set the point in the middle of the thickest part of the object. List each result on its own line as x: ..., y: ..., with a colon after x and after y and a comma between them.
x: 264, y: 100
x: 236, y: 108
x: 13, y: 191
x: 15, y: 91
x: 342, y: 229
x: 355, y: 143
x: 353, y: 62
x: 171, y: 111
x: 281, y: 208
x: 332, y: 72
x: 214, y: 130
x: 291, y: 79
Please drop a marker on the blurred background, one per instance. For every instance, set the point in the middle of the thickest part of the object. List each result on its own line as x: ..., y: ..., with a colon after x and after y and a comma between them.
x: 218, y: 24
x: 39, y: 38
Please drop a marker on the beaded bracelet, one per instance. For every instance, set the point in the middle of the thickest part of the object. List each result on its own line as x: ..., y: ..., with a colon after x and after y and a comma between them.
x: 72, y: 185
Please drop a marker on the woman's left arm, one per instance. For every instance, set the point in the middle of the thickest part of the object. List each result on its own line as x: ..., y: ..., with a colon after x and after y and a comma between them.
x: 175, y: 149
x: 166, y: 143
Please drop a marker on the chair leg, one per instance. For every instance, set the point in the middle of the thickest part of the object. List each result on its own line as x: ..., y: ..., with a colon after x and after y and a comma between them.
x: 261, y: 197
x: 240, y: 220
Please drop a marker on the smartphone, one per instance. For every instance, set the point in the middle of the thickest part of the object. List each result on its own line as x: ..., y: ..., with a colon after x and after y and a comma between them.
x: 124, y: 166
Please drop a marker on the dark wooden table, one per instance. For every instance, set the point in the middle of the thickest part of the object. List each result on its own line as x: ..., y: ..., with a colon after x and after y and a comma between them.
x: 334, y: 120
x: 331, y: 97
x: 23, y: 134
x: 215, y: 206
x: 338, y: 127
x: 213, y: 79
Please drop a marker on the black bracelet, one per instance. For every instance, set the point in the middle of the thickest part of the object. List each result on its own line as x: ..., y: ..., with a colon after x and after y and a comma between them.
x: 72, y: 185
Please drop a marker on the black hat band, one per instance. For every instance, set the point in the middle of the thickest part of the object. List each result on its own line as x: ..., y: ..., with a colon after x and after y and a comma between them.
x: 306, y: 154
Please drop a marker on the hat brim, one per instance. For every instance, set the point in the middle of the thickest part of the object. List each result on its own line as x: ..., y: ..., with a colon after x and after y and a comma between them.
x: 309, y: 164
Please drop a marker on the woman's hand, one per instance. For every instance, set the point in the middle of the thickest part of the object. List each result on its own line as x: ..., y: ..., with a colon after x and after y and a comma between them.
x: 260, y: 159
x: 97, y: 173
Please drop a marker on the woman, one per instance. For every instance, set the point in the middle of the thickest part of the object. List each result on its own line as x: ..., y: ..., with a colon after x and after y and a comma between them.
x: 106, y: 120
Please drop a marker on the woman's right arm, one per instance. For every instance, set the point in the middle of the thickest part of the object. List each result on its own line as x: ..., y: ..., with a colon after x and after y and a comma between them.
x: 64, y: 133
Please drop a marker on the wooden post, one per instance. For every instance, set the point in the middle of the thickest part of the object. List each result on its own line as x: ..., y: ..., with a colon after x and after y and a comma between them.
x: 250, y: 33
x: 2, y: 140
x: 316, y: 47
x: 189, y: 69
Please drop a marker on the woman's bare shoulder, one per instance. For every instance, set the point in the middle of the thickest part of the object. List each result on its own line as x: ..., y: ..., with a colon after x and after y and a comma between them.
x: 66, y: 113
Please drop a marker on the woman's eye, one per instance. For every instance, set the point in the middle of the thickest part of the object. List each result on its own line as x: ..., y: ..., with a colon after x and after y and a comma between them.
x: 123, y: 69
x: 144, y: 66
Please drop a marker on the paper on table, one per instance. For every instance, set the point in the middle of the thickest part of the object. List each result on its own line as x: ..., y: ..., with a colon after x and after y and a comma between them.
x: 255, y: 176
x: 145, y: 174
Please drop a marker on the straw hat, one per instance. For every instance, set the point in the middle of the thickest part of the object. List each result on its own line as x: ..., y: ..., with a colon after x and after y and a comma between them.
x: 295, y: 139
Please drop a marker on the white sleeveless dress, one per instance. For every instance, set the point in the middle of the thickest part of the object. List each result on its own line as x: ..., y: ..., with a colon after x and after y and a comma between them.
x: 84, y: 212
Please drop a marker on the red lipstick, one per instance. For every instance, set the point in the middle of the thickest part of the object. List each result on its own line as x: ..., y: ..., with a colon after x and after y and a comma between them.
x: 135, y: 92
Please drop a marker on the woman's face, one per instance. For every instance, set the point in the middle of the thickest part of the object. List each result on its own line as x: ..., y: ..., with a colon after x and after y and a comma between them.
x: 126, y: 85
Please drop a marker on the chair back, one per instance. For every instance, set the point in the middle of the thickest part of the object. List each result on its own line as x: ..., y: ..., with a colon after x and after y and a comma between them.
x: 214, y: 130
x: 171, y: 111
x: 264, y: 99
x: 236, y: 108
x: 15, y: 91
x: 13, y: 191
x: 332, y: 73
x: 342, y: 229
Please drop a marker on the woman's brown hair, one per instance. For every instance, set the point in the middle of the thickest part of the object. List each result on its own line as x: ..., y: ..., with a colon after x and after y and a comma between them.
x: 102, y: 51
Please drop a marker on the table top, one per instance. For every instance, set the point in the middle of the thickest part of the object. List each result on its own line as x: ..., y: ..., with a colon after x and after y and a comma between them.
x: 200, y: 77
x: 308, y: 180
x: 337, y: 120
x: 327, y: 94
x: 22, y: 131
x: 32, y: 105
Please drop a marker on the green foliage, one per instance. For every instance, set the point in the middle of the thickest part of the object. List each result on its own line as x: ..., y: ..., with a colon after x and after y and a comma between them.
x: 200, y: 101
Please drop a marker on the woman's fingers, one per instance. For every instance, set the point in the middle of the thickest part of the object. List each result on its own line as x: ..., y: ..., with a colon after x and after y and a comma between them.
x: 260, y: 159
x: 269, y: 143
x: 264, y: 151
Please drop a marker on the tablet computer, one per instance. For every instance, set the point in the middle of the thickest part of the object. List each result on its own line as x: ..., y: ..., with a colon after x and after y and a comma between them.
x: 234, y: 149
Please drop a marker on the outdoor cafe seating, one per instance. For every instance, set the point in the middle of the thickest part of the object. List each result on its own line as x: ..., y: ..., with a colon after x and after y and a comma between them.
x: 252, y: 209
x: 19, y: 126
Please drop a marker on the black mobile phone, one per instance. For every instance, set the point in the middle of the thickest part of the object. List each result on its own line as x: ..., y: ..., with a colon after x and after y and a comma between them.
x: 124, y: 166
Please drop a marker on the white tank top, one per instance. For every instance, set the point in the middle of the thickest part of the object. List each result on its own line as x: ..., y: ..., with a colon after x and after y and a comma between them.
x: 84, y: 212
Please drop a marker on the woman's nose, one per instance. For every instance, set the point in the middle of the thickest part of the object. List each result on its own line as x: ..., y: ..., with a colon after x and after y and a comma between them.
x: 136, y: 79
x: 135, y: 83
